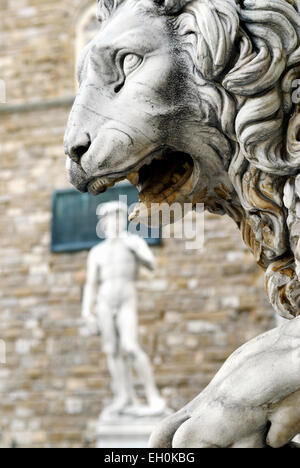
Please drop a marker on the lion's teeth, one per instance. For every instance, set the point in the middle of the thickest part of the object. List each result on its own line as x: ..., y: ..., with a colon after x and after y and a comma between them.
x: 99, y: 185
x: 134, y: 178
x: 134, y: 215
x: 141, y: 213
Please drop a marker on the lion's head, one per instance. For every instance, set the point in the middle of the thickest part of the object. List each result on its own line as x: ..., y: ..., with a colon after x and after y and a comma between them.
x: 191, y: 100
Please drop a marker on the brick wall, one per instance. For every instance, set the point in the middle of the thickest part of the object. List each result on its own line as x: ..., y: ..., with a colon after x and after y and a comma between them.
x: 194, y: 310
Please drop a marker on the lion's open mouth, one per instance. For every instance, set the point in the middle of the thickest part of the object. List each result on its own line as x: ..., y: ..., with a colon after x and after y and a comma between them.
x: 165, y: 177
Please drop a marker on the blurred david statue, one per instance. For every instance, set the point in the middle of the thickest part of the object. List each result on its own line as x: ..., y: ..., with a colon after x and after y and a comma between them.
x: 112, y: 272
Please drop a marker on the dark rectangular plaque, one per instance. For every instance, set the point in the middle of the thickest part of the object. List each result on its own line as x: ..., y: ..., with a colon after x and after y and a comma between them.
x: 74, y: 218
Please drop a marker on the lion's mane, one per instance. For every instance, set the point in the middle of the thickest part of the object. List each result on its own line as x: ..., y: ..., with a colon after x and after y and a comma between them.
x: 249, y: 53
x: 246, y: 60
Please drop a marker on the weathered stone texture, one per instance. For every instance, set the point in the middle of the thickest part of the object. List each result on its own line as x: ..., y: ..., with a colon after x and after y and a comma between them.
x: 194, y: 311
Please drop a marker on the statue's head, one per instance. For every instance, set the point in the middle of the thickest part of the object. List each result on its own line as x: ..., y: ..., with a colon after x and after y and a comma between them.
x: 191, y: 100
x: 113, y: 218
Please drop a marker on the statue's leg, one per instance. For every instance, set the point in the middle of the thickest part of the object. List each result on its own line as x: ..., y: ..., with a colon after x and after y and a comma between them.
x: 116, y: 363
x: 214, y: 433
x: 163, y: 435
x: 253, y: 401
x: 128, y: 330
x: 285, y: 421
x: 202, y: 425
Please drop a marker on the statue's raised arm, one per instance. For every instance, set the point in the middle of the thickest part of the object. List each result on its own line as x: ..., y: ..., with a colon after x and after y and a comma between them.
x: 141, y: 251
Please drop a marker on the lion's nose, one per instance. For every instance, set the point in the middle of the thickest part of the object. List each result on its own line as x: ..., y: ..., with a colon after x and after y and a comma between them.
x: 77, y: 149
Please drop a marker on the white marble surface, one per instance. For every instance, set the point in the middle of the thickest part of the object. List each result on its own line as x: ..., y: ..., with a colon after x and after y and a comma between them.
x: 110, y: 300
x: 195, y: 101
x: 174, y: 110
x: 253, y: 401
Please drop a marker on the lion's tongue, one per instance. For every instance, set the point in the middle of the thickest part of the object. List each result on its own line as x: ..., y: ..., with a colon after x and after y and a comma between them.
x: 166, y: 180
x: 147, y: 210
x: 150, y: 203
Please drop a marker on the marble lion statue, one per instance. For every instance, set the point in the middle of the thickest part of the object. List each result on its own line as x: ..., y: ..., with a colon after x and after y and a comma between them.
x: 198, y: 101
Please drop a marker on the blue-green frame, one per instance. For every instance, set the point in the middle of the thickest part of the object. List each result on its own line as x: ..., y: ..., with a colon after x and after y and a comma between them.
x: 74, y: 218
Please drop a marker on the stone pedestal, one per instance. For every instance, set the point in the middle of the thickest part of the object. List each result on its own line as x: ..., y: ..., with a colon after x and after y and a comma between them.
x: 126, y: 432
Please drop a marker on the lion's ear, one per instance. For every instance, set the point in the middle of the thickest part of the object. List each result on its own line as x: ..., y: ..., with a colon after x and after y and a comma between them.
x: 172, y: 6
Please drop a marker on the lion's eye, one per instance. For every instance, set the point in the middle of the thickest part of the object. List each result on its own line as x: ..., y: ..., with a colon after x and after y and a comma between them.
x: 131, y: 62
